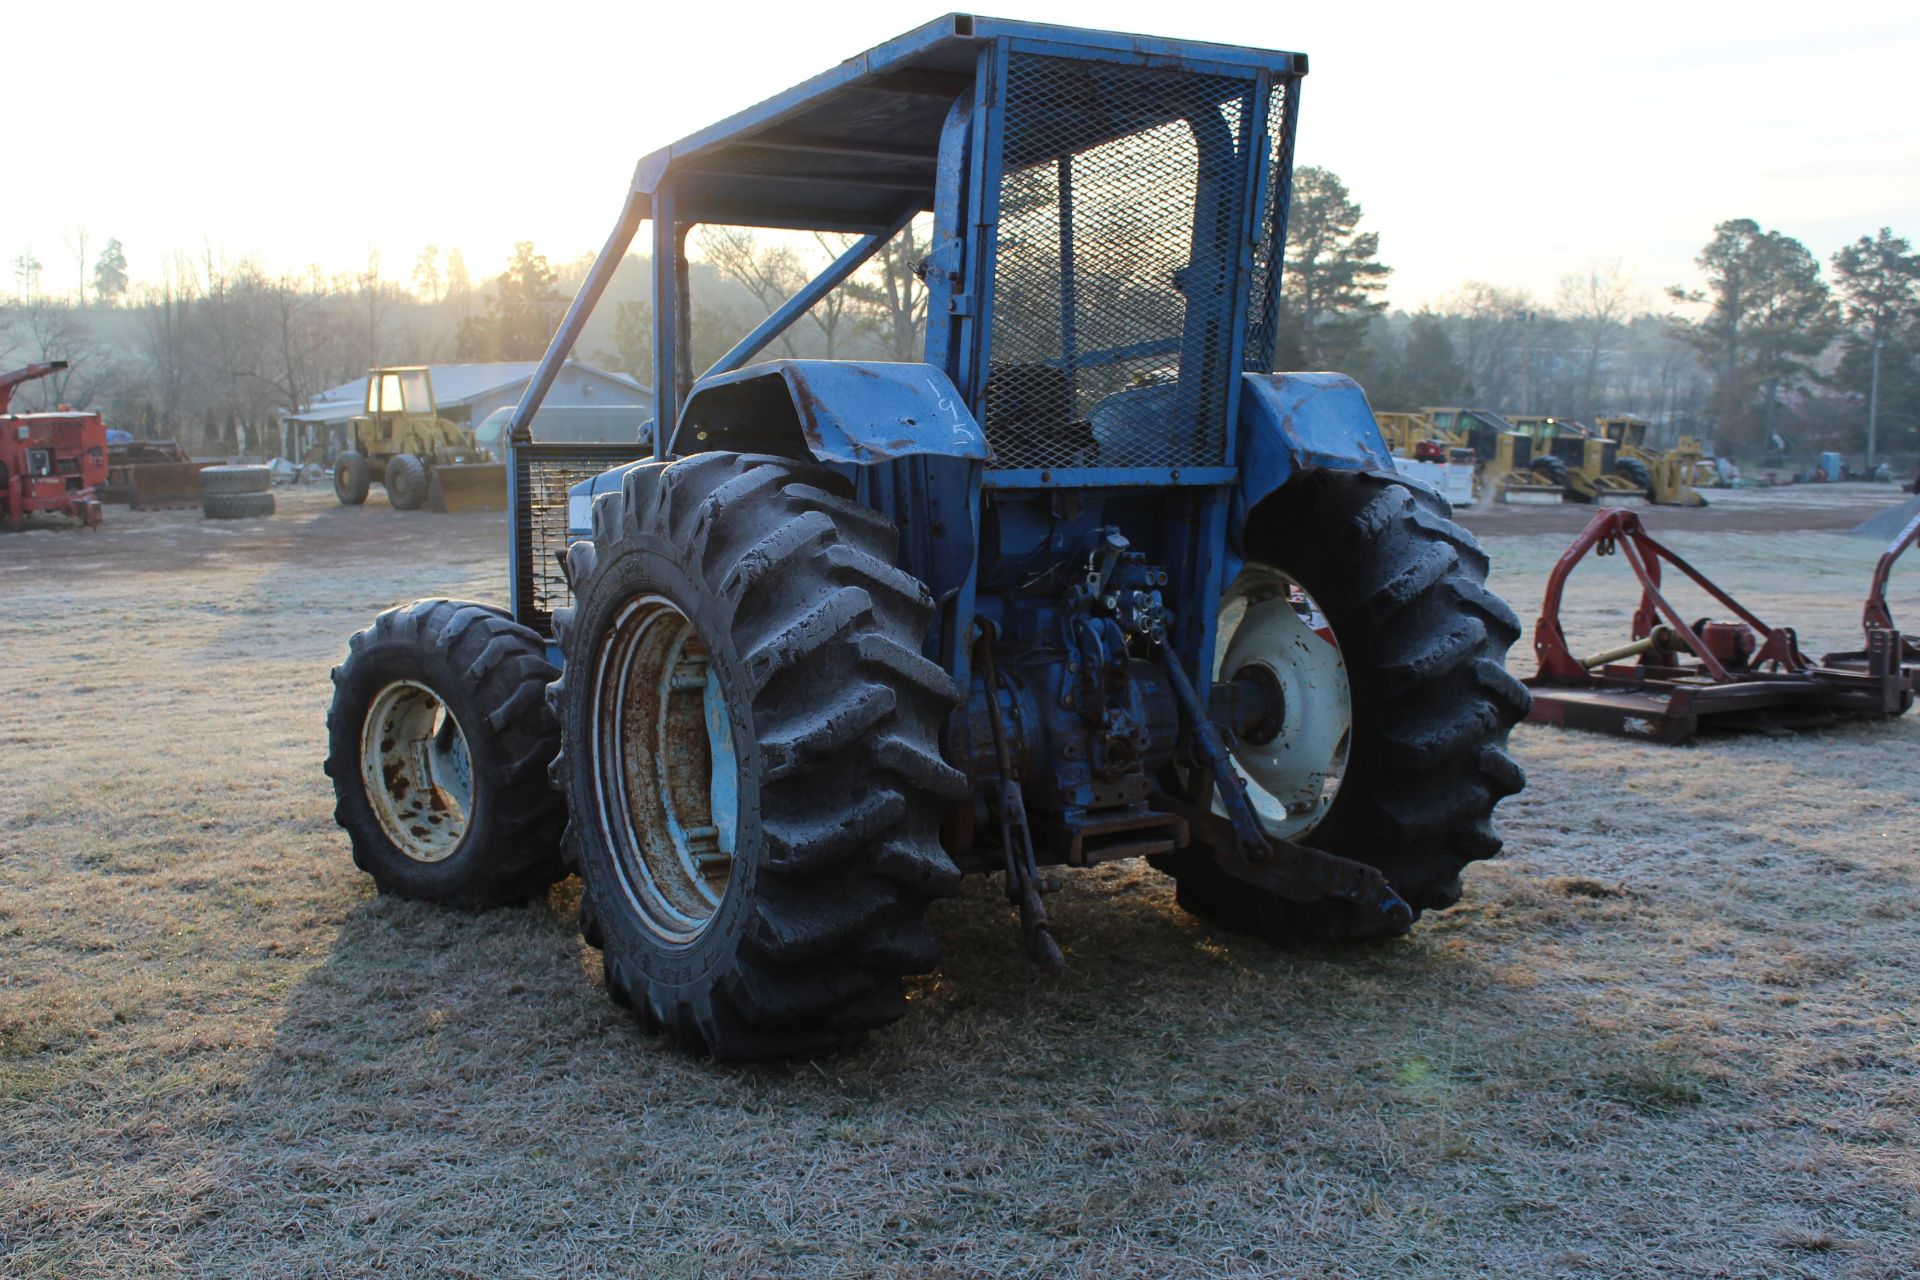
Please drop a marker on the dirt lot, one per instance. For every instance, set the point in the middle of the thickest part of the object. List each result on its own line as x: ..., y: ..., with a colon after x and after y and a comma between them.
x: 1672, y: 1032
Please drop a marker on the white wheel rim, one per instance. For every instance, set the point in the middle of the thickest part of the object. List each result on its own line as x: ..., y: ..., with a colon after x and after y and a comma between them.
x: 666, y: 777
x: 417, y: 771
x: 1268, y: 621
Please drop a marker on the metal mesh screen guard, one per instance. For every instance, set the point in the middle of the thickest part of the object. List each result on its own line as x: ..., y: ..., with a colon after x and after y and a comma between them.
x: 542, y: 475
x: 1270, y: 233
x: 1121, y: 198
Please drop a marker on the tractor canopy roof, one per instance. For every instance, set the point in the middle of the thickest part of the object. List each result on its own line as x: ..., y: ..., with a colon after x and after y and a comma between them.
x: 854, y: 147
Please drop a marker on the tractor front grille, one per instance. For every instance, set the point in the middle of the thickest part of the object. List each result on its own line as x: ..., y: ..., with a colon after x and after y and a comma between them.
x: 542, y: 474
x: 1117, y: 269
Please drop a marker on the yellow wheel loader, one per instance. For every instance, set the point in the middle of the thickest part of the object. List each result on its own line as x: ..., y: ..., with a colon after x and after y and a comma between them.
x: 403, y: 444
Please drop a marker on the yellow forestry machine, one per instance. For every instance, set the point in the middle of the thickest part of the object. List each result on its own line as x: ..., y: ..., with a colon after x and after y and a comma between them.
x: 1433, y: 457
x: 422, y: 459
x: 1588, y: 466
x: 1507, y: 468
x: 1673, y: 478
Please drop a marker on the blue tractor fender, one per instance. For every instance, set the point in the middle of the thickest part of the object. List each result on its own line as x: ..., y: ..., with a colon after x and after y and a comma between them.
x: 1292, y: 422
x: 844, y: 411
x: 858, y: 412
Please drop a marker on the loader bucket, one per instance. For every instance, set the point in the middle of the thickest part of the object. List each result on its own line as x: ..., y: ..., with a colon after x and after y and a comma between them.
x: 154, y: 486
x: 469, y: 486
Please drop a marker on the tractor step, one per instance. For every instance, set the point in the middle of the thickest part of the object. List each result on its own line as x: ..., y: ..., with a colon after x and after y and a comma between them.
x: 1091, y: 839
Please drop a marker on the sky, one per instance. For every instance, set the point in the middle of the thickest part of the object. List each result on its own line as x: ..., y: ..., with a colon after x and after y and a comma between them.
x: 1507, y: 142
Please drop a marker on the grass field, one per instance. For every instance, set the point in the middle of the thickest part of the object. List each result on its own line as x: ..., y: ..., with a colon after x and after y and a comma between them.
x: 1672, y: 1032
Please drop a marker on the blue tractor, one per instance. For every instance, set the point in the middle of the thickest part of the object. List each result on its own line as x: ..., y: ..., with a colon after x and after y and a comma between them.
x: 1087, y: 583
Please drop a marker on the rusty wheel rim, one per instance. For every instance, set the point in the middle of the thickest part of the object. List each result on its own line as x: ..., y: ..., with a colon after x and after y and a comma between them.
x: 666, y: 780
x: 417, y: 771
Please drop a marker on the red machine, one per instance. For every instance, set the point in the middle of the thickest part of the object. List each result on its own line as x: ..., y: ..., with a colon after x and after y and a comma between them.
x: 49, y: 461
x: 1876, y: 616
x: 1734, y: 673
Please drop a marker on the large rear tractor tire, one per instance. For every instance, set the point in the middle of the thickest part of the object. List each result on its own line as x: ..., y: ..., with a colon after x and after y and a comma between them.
x: 752, y: 764
x: 1414, y: 678
x: 406, y: 482
x: 350, y: 478
x: 439, y: 740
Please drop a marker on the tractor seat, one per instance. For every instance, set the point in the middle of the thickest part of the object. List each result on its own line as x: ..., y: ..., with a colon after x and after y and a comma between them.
x: 1029, y: 418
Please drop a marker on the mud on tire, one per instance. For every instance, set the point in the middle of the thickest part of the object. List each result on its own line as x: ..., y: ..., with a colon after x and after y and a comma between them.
x: 491, y: 674
x: 813, y: 636
x: 1404, y: 590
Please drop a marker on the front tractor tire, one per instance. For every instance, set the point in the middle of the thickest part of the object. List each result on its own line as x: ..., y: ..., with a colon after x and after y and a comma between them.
x: 752, y: 767
x: 350, y: 478
x: 406, y: 482
x: 439, y: 740
x: 1419, y: 661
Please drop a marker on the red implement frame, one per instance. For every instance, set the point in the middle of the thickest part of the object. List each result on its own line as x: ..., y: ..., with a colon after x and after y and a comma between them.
x: 1875, y: 616
x: 1681, y: 678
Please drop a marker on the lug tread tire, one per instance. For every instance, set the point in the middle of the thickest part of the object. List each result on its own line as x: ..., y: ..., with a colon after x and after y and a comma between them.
x: 1554, y: 468
x: 492, y: 672
x: 350, y: 478
x: 236, y: 506
x: 406, y: 482
x: 248, y: 478
x: 1636, y: 471
x: 1404, y: 589
x: 796, y: 587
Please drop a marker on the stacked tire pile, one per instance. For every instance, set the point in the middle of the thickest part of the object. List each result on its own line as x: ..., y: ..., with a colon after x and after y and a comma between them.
x: 236, y: 492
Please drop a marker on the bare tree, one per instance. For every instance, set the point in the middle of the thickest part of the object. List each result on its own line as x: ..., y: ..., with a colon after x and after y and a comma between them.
x: 770, y: 273
x: 373, y: 308
x: 26, y: 274
x: 77, y: 244
x: 891, y: 288
x: 45, y: 329
x: 842, y: 309
x: 459, y: 283
x: 428, y: 284
x: 1488, y: 338
x: 1596, y: 304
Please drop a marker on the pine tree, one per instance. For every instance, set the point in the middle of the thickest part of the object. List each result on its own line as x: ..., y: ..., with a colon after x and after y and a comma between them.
x: 522, y: 312
x: 110, y: 274
x: 1329, y: 278
x: 1769, y: 316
